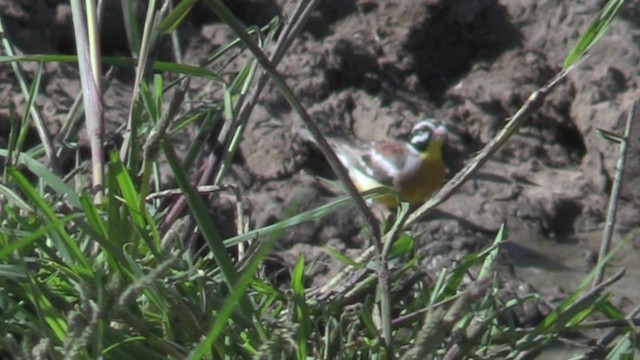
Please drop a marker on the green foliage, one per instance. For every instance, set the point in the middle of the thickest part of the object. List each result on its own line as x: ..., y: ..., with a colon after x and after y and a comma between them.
x: 595, y: 31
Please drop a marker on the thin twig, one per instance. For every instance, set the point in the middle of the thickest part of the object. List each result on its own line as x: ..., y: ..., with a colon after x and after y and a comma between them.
x: 151, y: 146
x: 142, y: 68
x: 384, y: 278
x: 242, y: 223
x: 85, y: 26
x: 597, y: 290
x: 614, y: 323
x: 612, y: 208
x: 204, y: 190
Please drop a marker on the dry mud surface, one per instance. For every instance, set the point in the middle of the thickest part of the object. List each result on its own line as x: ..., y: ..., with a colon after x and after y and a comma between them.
x: 374, y: 68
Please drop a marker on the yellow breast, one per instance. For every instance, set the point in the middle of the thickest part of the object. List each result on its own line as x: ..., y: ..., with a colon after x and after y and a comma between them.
x: 415, y: 187
x: 421, y: 175
x: 417, y: 183
x: 412, y: 186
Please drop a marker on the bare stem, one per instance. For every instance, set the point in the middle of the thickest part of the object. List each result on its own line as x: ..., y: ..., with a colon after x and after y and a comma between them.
x: 612, y: 208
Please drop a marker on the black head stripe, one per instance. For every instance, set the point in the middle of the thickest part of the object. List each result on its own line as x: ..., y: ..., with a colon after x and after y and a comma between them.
x: 421, y: 141
x: 422, y: 133
x: 425, y: 125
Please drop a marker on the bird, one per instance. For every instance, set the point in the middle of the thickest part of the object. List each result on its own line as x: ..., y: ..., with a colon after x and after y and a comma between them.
x: 414, y: 169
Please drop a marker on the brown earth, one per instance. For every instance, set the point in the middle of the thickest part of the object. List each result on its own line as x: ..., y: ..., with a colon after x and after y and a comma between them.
x: 374, y: 68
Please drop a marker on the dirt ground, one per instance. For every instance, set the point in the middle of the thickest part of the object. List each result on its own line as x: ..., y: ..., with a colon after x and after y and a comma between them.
x: 374, y: 68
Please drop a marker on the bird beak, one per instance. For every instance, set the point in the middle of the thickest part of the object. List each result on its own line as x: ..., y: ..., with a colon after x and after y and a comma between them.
x: 440, y: 132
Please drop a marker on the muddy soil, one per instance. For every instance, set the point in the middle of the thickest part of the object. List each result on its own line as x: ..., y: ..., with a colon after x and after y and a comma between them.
x: 374, y: 68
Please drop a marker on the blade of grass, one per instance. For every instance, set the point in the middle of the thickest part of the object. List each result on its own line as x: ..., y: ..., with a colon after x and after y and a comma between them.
x: 232, y: 104
x: 177, y: 16
x: 150, y: 38
x: 151, y: 146
x: 211, y: 119
x: 98, y: 231
x: 47, y: 312
x: 144, y: 223
x: 302, y: 217
x: 343, y: 258
x: 487, y: 265
x: 65, y: 244
x: 144, y: 283
x: 571, y: 305
x: 17, y: 134
x: 33, y: 236
x: 118, y: 61
x: 234, y: 298
x: 51, y: 179
x: 13, y: 199
x: 131, y: 25
x: 595, y: 31
x: 31, y: 101
x: 149, y: 102
x: 128, y: 191
x: 302, y: 309
x: 209, y: 232
x: 384, y: 276
x: 39, y: 123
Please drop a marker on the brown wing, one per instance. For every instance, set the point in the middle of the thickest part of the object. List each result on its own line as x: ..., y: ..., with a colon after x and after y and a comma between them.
x: 385, y: 160
x: 379, y: 160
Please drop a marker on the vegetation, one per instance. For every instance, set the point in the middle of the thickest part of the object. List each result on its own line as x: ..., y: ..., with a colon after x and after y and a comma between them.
x: 107, y: 274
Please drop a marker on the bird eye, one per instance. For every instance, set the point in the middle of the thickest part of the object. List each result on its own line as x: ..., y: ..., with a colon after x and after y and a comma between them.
x: 420, y: 140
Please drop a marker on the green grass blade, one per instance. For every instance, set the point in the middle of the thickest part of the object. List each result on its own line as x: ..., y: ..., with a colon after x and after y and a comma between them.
x: 595, y: 31
x: 33, y: 236
x: 572, y: 305
x: 302, y: 309
x: 232, y: 301
x: 301, y: 218
x: 210, y: 120
x: 119, y: 61
x: 343, y: 258
x: 625, y: 348
x: 456, y: 278
x: 12, y: 272
x: 149, y: 102
x: 209, y: 232
x: 49, y: 178
x: 487, y: 265
x: 66, y: 245
x: 93, y: 217
x: 404, y: 245
x: 13, y: 199
x: 97, y: 229
x: 128, y: 190
x: 132, y: 25
x: 47, y: 312
x: 177, y: 16
x: 143, y: 222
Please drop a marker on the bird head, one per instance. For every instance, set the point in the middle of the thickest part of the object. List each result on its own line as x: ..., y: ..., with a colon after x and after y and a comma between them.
x: 428, y: 135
